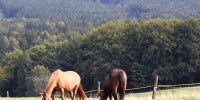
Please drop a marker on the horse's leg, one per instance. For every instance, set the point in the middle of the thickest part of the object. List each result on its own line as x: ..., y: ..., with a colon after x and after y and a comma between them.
x: 74, y: 92
x: 114, y: 94
x: 53, y: 94
x: 110, y: 95
x: 62, y: 94
x: 122, y: 94
x: 71, y: 94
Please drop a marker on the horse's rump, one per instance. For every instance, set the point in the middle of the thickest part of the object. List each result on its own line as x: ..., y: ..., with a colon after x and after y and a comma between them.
x: 116, y: 81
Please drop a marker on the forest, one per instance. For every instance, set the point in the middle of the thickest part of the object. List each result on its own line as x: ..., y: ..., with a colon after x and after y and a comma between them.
x: 91, y: 37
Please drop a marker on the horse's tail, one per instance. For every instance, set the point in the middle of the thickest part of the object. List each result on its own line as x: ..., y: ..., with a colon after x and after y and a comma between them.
x: 81, y: 92
x: 122, y: 83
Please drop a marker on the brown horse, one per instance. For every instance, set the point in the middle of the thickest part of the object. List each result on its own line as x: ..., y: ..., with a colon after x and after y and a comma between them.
x: 116, y: 82
x: 64, y: 81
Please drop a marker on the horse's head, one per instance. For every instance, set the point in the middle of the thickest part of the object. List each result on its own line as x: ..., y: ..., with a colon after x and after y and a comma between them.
x: 45, y: 96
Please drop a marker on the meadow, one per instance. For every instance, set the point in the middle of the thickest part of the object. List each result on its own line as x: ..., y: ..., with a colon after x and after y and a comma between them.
x: 186, y: 93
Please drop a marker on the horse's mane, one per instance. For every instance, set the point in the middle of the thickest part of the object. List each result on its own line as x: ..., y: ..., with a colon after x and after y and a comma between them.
x: 52, y: 78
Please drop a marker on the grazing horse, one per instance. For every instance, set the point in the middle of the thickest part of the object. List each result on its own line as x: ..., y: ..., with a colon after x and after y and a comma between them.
x: 116, y: 82
x: 64, y: 81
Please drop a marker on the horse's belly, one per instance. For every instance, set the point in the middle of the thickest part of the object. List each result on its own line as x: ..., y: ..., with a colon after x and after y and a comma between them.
x: 67, y: 89
x: 57, y: 88
x: 67, y: 86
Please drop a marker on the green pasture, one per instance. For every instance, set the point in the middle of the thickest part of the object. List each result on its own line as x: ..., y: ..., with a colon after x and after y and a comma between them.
x: 178, y: 93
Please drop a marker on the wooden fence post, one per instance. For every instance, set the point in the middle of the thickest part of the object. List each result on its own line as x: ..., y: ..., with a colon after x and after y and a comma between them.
x: 98, y: 89
x: 155, y: 87
x: 7, y: 94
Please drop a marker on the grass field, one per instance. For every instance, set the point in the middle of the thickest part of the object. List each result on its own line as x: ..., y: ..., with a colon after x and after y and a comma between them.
x: 187, y: 93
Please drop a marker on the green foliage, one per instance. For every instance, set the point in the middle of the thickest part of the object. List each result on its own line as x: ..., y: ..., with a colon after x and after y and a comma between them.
x: 36, y: 79
x: 84, y: 36
x: 138, y: 75
x: 168, y: 48
x: 2, y: 74
x: 3, y: 45
x: 17, y: 65
x: 83, y: 15
x: 36, y: 53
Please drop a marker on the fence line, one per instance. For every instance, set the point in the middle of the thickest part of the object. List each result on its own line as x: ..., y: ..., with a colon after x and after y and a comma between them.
x: 139, y: 88
x: 179, y: 85
x: 126, y: 89
x: 94, y: 93
x: 159, y: 86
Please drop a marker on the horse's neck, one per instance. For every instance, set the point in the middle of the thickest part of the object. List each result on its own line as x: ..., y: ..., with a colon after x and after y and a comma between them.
x: 50, y: 87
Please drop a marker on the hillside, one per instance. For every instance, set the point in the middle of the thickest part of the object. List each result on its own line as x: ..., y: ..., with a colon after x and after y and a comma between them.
x: 168, y: 48
x: 82, y: 15
x: 148, y: 38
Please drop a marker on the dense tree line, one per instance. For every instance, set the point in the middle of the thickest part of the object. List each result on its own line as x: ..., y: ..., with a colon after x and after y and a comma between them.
x: 38, y: 37
x: 168, y: 48
x: 83, y: 15
x: 24, y: 33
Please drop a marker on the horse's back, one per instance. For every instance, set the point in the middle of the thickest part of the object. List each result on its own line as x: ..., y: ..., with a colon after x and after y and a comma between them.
x: 114, y: 74
x: 68, y: 80
x: 66, y: 75
x: 71, y: 75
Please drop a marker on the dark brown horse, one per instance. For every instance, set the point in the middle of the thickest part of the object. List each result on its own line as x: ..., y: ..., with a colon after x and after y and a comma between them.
x: 64, y: 81
x: 116, y: 82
